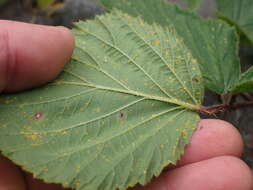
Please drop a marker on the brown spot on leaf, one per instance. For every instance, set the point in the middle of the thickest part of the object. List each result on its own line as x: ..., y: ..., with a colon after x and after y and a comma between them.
x: 121, y: 115
x: 38, y: 115
x: 194, y: 79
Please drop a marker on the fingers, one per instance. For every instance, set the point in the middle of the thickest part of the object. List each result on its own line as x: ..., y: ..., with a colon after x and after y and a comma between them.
x: 211, y: 139
x: 31, y: 55
x: 204, y: 159
x: 10, y: 176
x: 220, y: 173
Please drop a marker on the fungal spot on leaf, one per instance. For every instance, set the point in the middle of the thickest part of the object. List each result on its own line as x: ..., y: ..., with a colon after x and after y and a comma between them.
x: 122, y: 115
x: 184, y: 132
x: 3, y: 126
x: 38, y: 115
x: 78, y: 167
x: 77, y: 182
x: 194, y: 79
x: 194, y: 60
x: 142, y: 23
x: 63, y: 132
x: 157, y: 42
x: 35, y: 144
x: 33, y: 136
x: 65, y: 183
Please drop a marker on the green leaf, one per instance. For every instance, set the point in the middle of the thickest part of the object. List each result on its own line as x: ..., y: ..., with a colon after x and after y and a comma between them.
x: 45, y: 3
x: 2, y: 2
x: 239, y: 13
x: 119, y: 113
x: 193, y: 4
x: 245, y: 83
x: 213, y: 43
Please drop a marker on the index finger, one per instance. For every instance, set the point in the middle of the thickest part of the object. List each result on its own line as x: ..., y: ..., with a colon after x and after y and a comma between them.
x: 31, y: 55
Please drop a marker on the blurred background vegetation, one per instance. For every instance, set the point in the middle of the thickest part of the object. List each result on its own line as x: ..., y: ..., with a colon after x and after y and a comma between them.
x: 48, y: 12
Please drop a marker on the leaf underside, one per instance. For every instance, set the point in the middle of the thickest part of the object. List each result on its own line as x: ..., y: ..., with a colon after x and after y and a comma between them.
x: 213, y: 43
x: 238, y: 13
x: 118, y: 114
x: 193, y: 4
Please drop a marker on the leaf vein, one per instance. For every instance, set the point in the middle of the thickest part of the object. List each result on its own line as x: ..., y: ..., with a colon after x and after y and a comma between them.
x: 162, y: 59
x: 129, y: 58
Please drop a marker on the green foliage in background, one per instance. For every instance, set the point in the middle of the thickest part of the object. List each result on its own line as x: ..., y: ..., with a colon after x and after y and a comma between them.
x: 245, y: 83
x: 213, y: 43
x: 2, y: 2
x: 44, y: 3
x: 239, y: 13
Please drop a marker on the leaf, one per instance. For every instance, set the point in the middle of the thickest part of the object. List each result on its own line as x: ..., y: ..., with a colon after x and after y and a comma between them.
x: 121, y: 111
x: 238, y: 13
x: 193, y: 4
x: 3, y: 2
x: 213, y: 43
x: 245, y: 83
x: 45, y: 3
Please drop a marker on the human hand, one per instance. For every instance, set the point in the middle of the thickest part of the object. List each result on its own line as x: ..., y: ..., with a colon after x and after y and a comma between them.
x: 31, y: 55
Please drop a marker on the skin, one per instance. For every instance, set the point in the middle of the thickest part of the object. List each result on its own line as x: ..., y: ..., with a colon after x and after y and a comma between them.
x: 31, y: 55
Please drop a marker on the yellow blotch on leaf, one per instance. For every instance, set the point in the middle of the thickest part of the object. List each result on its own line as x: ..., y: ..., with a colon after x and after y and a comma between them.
x: 63, y: 132
x: 77, y: 182
x: 184, y: 132
x: 98, y: 110
x: 33, y: 135
x: 157, y: 42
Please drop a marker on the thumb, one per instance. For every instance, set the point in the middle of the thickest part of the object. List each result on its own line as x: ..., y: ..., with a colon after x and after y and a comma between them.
x: 31, y: 55
x: 10, y: 175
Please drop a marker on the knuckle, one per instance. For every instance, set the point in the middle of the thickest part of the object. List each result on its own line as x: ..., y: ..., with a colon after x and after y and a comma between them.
x: 7, y: 58
x: 4, y: 46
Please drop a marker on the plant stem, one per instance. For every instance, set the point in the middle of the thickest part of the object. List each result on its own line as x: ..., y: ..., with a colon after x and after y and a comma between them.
x: 224, y: 107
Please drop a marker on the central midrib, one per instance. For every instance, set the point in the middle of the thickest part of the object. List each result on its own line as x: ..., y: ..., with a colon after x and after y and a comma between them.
x: 135, y: 93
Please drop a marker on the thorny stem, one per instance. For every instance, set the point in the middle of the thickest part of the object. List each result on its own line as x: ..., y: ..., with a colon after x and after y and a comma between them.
x: 247, y: 96
x: 224, y: 107
x: 213, y: 109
